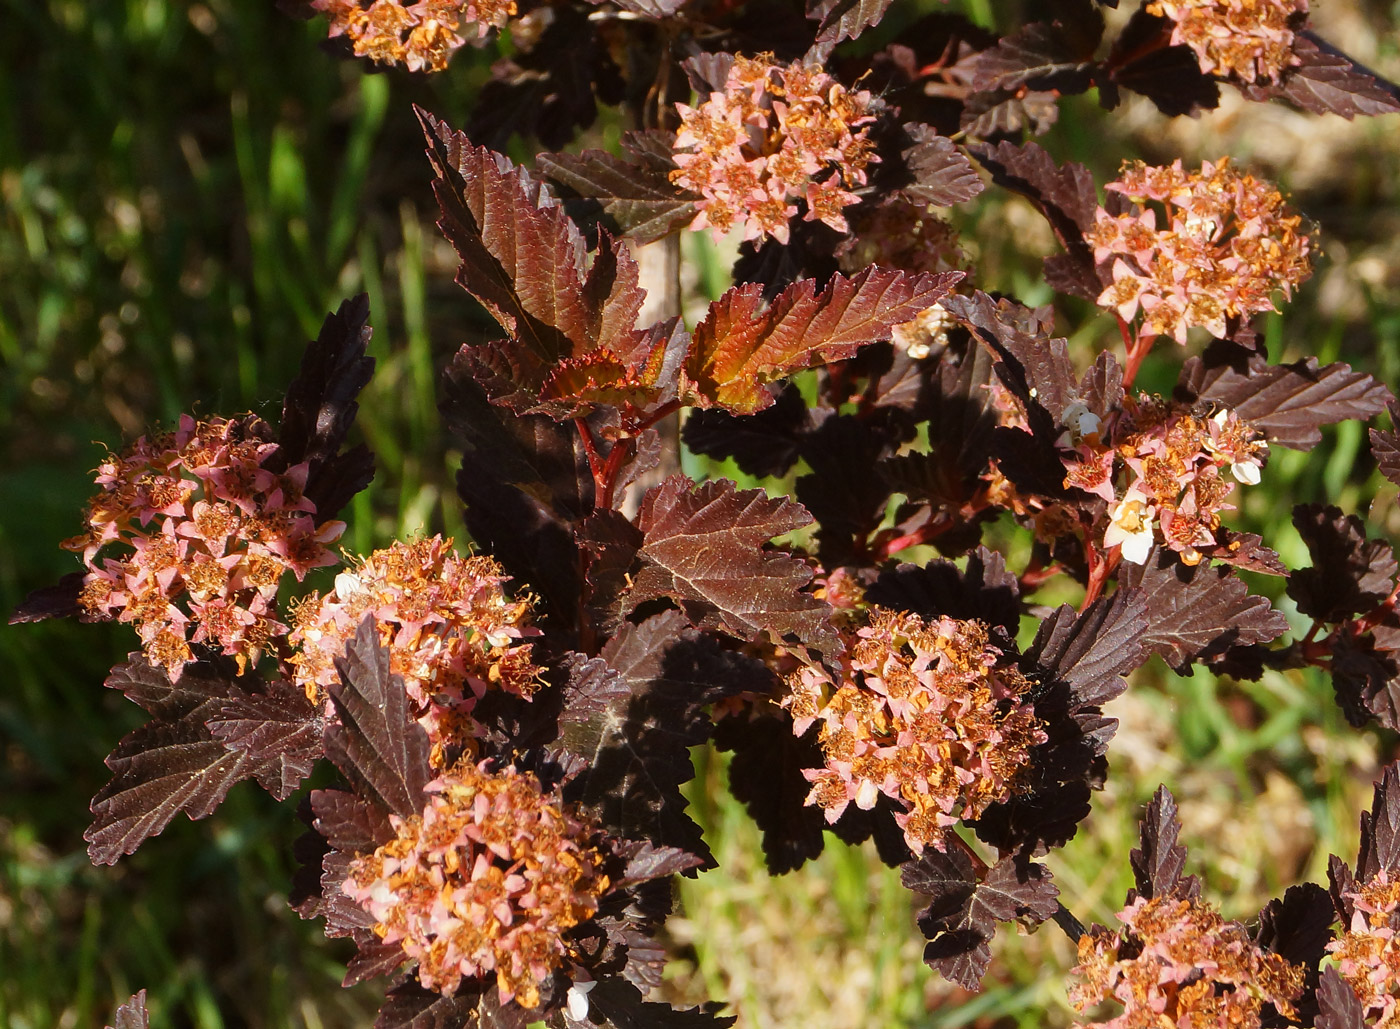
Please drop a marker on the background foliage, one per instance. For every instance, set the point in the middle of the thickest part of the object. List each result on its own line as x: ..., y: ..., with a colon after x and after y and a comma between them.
x: 186, y: 189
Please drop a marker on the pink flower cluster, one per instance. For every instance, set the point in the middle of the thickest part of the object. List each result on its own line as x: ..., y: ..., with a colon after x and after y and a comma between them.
x: 1219, y: 247
x: 450, y: 629
x: 930, y: 715
x: 1177, y: 963
x: 1249, y: 40
x: 206, y: 532
x: 490, y: 878
x: 422, y: 35
x: 773, y: 135
x: 1174, y: 460
x: 1368, y: 954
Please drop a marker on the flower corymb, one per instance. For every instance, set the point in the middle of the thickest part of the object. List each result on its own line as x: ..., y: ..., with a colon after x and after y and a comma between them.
x: 1367, y: 954
x: 1181, y: 469
x: 1248, y: 40
x: 1177, y: 962
x: 422, y: 36
x: 774, y: 135
x: 1218, y: 246
x: 206, y: 530
x: 489, y: 879
x: 930, y: 715
x: 450, y: 630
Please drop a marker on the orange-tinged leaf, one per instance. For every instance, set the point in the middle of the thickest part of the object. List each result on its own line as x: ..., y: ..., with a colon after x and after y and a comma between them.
x: 741, y: 344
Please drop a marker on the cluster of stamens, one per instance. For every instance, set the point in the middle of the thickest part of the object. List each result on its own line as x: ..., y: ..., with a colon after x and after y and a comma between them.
x: 206, y: 531
x: 489, y: 879
x: 1177, y: 962
x: 1218, y: 248
x: 930, y: 715
x: 1175, y: 461
x: 422, y: 36
x: 1368, y: 954
x: 451, y: 632
x: 1247, y: 40
x: 775, y: 134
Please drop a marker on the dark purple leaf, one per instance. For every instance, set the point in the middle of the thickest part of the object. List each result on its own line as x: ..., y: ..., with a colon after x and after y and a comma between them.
x: 1338, y: 1005
x: 1094, y: 650
x: 1048, y: 55
x: 173, y: 763
x: 1286, y: 402
x: 942, y: 174
x: 374, y: 958
x: 57, y: 601
x: 409, y: 1006
x: 845, y: 19
x: 1065, y: 195
x: 132, y: 1014
x: 1349, y: 574
x: 1244, y: 550
x: 278, y: 728
x: 349, y: 826
x: 963, y: 911
x: 640, y: 199
x: 1380, y: 830
x: 525, y: 482
x: 633, y: 713
x: 765, y: 775
x: 1169, y: 76
x: 617, y: 1004
x: 1330, y: 82
x: 657, y: 9
x: 1195, y: 613
x: 1008, y: 113
x: 1298, y: 926
x: 985, y: 590
x: 847, y: 501
x: 320, y: 407
x: 1385, y: 446
x: 377, y: 743
x: 766, y: 443
x: 1366, y: 681
x: 704, y: 549
x: 1159, y: 860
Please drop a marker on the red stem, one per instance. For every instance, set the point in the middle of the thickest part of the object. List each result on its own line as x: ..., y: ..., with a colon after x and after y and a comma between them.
x: 1137, y: 349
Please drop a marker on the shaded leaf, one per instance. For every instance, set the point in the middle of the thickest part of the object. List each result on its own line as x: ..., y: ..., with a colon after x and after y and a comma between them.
x: 766, y: 443
x: 1008, y: 113
x: 377, y: 743
x: 132, y: 1014
x: 963, y: 911
x: 942, y: 173
x: 1169, y: 76
x: 1299, y: 926
x: 1349, y: 574
x: 525, y: 482
x: 1195, y: 613
x: 703, y: 548
x: 407, y: 1005
x: 321, y: 405
x: 373, y: 958
x: 1338, y: 1005
x: 1380, y: 829
x: 742, y: 343
x: 640, y: 199
x: 1385, y: 446
x: 765, y: 775
x: 278, y: 728
x: 985, y: 590
x: 647, y: 8
x: 847, y: 501
x: 57, y: 601
x: 617, y: 1004
x: 1065, y: 195
x: 1366, y: 681
x: 1286, y: 402
x: 1092, y: 651
x: 1047, y: 55
x: 1159, y: 859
